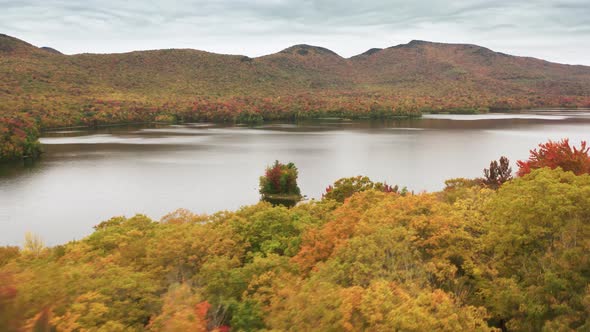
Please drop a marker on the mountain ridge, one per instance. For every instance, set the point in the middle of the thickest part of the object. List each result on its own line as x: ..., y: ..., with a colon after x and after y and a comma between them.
x: 418, y: 75
x: 321, y: 49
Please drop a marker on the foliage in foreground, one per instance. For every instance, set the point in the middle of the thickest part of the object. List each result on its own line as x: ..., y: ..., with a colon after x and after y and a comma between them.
x: 557, y: 154
x: 467, y: 258
x: 346, y: 187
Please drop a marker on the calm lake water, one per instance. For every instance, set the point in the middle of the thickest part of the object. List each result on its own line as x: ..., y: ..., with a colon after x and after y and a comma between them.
x: 86, y: 177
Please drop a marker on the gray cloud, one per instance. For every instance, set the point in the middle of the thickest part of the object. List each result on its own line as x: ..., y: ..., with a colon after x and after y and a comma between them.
x: 554, y: 30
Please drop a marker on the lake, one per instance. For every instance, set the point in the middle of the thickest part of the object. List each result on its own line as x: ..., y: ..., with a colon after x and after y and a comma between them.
x: 88, y: 176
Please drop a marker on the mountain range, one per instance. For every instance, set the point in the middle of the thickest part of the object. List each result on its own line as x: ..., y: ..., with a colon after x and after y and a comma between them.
x: 63, y: 89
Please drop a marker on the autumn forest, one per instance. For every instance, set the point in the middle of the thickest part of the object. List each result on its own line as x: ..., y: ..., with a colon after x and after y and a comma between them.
x: 495, y: 253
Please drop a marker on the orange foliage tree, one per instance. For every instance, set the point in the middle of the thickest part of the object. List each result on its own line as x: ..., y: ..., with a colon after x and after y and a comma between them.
x: 557, y: 154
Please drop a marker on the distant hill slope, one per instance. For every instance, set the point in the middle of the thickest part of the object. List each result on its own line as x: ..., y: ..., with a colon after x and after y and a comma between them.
x: 418, y: 75
x: 420, y: 61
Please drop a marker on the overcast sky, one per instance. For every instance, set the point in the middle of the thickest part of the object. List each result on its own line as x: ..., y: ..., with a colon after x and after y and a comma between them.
x: 557, y: 30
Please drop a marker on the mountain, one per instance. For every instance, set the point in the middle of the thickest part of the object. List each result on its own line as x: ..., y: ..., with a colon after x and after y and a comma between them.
x: 51, y: 50
x: 486, y: 70
x: 63, y: 89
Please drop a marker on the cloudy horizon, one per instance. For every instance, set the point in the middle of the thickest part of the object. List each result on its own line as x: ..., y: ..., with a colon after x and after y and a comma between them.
x: 557, y: 31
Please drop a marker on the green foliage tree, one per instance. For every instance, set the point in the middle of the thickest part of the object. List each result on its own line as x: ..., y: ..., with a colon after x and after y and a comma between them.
x: 247, y: 316
x: 460, y: 188
x: 536, y: 251
x: 346, y: 187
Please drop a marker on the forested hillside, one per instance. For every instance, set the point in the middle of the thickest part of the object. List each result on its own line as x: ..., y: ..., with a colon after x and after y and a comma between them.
x: 54, y: 90
x: 422, y: 74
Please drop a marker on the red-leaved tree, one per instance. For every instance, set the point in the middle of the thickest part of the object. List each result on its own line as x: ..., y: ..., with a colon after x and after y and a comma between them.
x: 557, y: 154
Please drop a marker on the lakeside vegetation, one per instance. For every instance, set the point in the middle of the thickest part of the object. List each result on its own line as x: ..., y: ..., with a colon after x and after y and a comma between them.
x: 19, y: 138
x: 489, y: 254
x: 237, y: 110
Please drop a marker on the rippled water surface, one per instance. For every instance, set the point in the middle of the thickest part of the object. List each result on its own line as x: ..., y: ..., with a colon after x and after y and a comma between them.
x: 86, y: 177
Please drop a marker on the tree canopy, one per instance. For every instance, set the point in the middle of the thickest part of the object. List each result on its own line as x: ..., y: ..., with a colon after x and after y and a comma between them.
x: 467, y: 258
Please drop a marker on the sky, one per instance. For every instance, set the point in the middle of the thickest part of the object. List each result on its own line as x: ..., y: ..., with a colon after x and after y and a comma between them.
x: 557, y: 31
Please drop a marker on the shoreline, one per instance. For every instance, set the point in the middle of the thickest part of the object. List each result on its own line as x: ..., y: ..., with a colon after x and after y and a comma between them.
x: 290, y: 120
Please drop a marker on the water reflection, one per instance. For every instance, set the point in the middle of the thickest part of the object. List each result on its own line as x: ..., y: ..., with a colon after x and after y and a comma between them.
x: 88, y: 176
